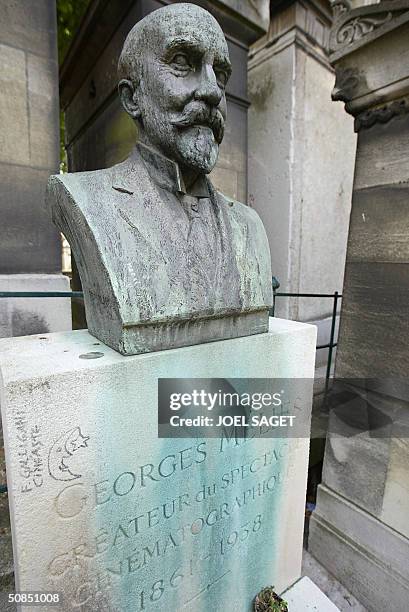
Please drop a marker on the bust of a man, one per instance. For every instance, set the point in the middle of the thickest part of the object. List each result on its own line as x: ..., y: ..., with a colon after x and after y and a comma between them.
x: 165, y: 260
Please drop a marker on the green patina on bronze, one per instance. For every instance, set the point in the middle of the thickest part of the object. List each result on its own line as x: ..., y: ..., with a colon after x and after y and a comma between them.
x: 165, y: 260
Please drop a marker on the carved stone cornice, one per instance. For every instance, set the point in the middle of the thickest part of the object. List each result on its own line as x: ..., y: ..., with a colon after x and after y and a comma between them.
x: 381, y: 114
x: 354, y: 28
x: 303, y: 23
x: 339, y: 7
x: 368, y: 44
x: 346, y: 83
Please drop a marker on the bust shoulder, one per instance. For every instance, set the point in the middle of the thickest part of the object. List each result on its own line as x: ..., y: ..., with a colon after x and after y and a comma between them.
x: 240, y: 213
x: 72, y: 182
x: 72, y: 192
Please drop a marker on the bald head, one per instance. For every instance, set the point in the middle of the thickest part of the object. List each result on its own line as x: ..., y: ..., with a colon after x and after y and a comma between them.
x: 173, y: 72
x: 163, y: 26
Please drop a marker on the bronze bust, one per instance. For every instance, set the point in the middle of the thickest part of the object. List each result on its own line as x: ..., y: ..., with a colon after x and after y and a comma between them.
x: 165, y: 260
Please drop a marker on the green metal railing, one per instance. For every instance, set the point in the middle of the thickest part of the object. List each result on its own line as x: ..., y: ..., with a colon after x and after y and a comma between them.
x: 41, y: 294
x: 330, y: 345
x: 275, y: 283
x: 336, y: 296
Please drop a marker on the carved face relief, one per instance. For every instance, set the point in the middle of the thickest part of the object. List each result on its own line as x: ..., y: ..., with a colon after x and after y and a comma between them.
x: 184, y: 68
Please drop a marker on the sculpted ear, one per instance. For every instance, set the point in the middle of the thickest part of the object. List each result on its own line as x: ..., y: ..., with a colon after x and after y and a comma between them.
x: 129, y: 98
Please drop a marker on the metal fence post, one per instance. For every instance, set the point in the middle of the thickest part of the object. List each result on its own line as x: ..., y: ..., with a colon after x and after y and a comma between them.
x: 276, y: 285
x: 331, y: 340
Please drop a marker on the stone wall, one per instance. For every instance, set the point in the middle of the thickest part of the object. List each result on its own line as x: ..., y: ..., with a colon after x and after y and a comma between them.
x: 300, y: 178
x: 359, y: 529
x: 29, y: 123
x: 30, y: 246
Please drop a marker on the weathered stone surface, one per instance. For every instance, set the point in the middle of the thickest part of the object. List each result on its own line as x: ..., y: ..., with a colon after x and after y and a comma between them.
x: 14, y: 136
x: 91, y: 425
x: 29, y: 242
x: 371, y: 38
x: 29, y: 153
x: 374, y: 321
x: 383, y: 158
x: 366, y: 555
x: 24, y: 316
x: 380, y: 225
x: 359, y: 529
x: 305, y: 596
x: 165, y: 261
x: 42, y: 83
x: 301, y: 158
x: 256, y: 11
x: 357, y: 467
x: 329, y: 585
x: 395, y: 503
x: 29, y: 25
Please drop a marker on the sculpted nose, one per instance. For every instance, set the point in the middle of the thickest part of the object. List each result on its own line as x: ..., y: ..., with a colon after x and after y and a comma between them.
x: 208, y: 89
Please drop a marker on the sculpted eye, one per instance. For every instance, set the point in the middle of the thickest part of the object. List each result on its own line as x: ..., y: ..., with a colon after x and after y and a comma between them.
x: 221, y: 78
x: 181, y: 61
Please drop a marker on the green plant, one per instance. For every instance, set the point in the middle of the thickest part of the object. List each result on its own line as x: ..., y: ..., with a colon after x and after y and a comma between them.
x: 69, y: 15
x: 268, y: 601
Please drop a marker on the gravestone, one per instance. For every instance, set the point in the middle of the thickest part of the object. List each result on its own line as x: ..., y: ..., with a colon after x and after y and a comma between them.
x: 107, y: 514
x: 115, y: 519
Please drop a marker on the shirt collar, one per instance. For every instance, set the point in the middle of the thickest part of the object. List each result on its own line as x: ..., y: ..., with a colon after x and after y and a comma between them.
x: 166, y: 173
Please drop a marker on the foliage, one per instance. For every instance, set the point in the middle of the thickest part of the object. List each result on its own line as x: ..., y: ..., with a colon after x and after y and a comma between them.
x: 63, y: 152
x: 69, y: 14
x: 268, y: 601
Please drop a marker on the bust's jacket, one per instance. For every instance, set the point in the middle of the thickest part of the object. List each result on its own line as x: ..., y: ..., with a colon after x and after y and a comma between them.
x: 142, y: 269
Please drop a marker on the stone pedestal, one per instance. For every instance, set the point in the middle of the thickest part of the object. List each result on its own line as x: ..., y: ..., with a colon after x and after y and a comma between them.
x: 30, y: 247
x: 305, y: 596
x: 118, y: 520
x: 359, y: 530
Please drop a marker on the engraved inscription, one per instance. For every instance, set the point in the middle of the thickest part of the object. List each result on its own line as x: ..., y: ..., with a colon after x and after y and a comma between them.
x: 30, y: 448
x: 178, y: 548
x: 62, y: 451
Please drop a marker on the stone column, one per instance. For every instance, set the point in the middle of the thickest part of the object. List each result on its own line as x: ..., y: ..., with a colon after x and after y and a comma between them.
x: 300, y: 179
x: 30, y: 247
x: 360, y: 529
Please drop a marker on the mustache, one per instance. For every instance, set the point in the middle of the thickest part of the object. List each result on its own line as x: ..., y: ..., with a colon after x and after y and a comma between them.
x: 197, y: 113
